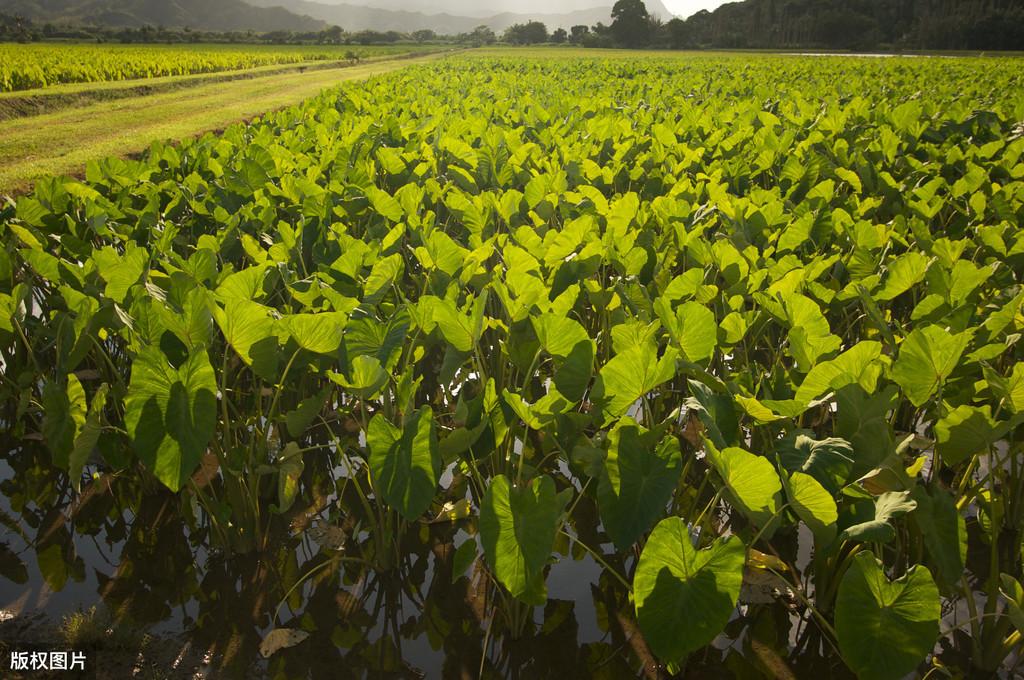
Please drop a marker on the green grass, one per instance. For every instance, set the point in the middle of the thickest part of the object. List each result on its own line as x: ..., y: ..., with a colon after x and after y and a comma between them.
x: 64, y: 141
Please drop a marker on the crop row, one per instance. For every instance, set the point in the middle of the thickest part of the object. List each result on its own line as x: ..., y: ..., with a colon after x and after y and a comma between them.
x: 761, y: 316
x: 25, y: 67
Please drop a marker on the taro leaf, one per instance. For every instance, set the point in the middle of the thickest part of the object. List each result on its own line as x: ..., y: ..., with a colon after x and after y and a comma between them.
x: 813, y: 504
x: 299, y: 419
x: 63, y: 417
x: 171, y: 413
x: 567, y: 340
x: 318, y: 333
x: 751, y: 483
x: 383, y: 203
x: 944, y: 531
x: 366, y: 377
x: 289, y: 468
x: 382, y: 339
x: 1014, y: 594
x: 518, y: 525
x: 887, y: 506
x: 717, y: 412
x: 963, y: 432
x: 927, y: 357
x: 245, y: 285
x: 405, y: 462
x: 121, y: 272
x: 862, y: 419
x: 1015, y: 389
x: 441, y: 252
x: 523, y: 409
x: 632, y: 333
x: 632, y: 374
x: 187, y: 316
x: 281, y: 638
x: 460, y: 330
x: 558, y: 335
x: 856, y: 365
x: 698, y: 331
x: 464, y: 556
x: 809, y: 336
x: 885, y: 628
x: 572, y: 377
x: 692, y: 326
x: 904, y: 273
x: 887, y: 477
x: 44, y: 264
x: 685, y: 597
x: 829, y: 460
x: 384, y: 272
x: 250, y: 331
x: 87, y: 437
x: 639, y: 475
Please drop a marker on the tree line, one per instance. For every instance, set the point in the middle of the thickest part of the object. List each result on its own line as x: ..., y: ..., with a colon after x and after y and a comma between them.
x: 802, y: 24
x: 753, y: 24
x: 15, y: 28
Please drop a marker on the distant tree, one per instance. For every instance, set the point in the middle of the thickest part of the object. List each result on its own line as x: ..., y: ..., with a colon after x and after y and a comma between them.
x: 333, y: 35
x: 277, y: 37
x: 483, y: 35
x: 559, y: 36
x: 424, y: 35
x: 599, y: 36
x: 372, y: 37
x: 530, y: 33
x: 578, y: 33
x: 631, y: 23
x: 677, y: 34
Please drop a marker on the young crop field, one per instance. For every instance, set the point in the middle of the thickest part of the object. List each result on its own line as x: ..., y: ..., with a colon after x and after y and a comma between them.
x: 541, y: 367
x: 25, y: 67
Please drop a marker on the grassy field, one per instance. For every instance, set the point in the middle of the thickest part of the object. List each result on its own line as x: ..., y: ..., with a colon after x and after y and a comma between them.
x: 62, y: 142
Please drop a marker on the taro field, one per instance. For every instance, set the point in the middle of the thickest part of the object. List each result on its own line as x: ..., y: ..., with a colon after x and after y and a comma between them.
x: 539, y: 366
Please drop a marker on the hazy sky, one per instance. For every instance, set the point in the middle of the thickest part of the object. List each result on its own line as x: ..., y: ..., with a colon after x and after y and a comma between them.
x: 685, y: 8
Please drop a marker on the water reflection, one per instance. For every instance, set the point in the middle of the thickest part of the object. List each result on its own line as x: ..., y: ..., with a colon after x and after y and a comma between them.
x: 138, y: 558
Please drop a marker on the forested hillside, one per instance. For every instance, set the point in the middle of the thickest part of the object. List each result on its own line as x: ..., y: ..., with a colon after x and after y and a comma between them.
x: 211, y: 15
x: 859, y: 24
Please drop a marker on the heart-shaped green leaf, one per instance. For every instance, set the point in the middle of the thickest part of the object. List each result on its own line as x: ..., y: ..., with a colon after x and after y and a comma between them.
x: 885, y: 628
x: 632, y: 374
x: 684, y: 597
x: 751, y: 483
x: 927, y: 357
x: 405, y: 462
x: 517, y: 528
x: 171, y: 413
x: 639, y: 476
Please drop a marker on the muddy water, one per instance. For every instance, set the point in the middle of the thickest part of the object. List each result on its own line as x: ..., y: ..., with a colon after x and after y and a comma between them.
x: 137, y: 561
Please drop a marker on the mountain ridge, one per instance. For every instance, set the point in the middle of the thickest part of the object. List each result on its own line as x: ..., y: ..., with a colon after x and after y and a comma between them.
x: 315, y: 15
x: 212, y: 15
x: 354, y: 17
